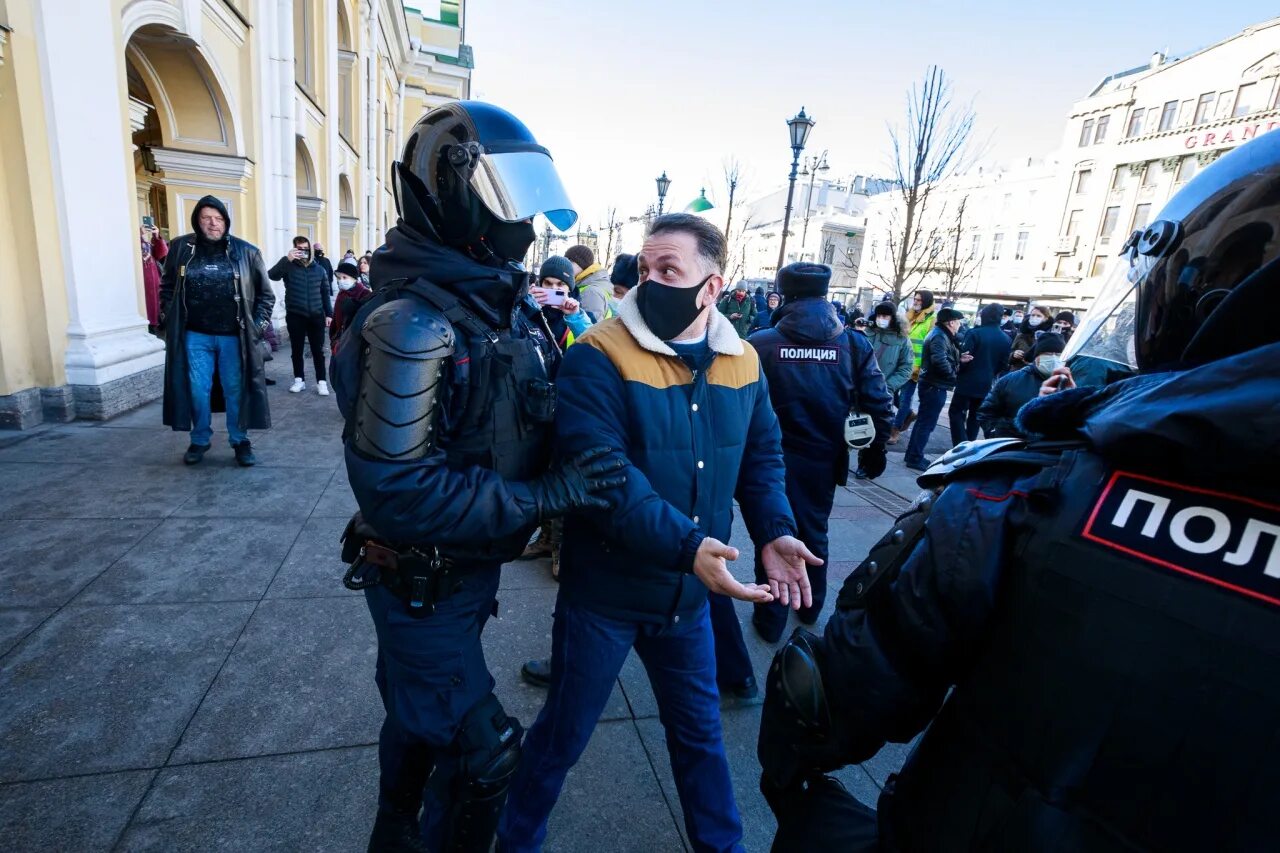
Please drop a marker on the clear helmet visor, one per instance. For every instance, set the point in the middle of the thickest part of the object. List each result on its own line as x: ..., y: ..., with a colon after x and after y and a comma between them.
x: 516, y: 185
x: 1108, y: 332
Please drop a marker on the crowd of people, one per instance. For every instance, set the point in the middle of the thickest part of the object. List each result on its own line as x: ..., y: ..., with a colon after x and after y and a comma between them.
x: 625, y: 415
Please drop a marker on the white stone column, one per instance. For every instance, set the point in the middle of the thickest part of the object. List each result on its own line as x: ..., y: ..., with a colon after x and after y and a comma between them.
x: 370, y: 203
x: 329, y: 188
x: 107, y: 338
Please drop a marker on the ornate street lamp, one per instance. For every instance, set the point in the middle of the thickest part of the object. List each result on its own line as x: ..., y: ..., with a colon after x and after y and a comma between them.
x: 664, y: 184
x: 812, y: 166
x: 799, y: 127
x: 700, y: 204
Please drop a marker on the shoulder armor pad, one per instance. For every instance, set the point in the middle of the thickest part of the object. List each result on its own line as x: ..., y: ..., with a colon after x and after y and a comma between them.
x: 969, y: 454
x: 409, y: 328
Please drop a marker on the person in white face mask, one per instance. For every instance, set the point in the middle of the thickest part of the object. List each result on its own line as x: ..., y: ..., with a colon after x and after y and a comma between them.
x: 352, y: 292
x: 1037, y: 320
x: 998, y: 412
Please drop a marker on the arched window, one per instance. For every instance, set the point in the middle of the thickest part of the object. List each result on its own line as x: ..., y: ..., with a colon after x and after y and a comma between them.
x: 305, y: 171
x: 347, y: 66
x: 304, y: 43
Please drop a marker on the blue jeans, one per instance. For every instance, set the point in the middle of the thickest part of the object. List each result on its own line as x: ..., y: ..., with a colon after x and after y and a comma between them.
x: 905, y: 393
x: 587, y: 653
x: 430, y: 672
x: 205, y: 354
x: 932, y: 399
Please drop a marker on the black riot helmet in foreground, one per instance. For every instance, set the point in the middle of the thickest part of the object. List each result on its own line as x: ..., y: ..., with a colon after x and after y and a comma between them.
x: 1200, y: 282
x: 473, y: 176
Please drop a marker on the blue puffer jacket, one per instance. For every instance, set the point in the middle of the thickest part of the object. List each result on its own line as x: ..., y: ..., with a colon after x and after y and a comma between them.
x: 693, y: 444
x: 816, y: 370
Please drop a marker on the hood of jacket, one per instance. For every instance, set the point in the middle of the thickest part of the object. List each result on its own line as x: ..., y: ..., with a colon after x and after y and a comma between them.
x: 808, y: 320
x: 216, y: 204
x: 914, y: 316
x: 990, y: 315
x: 489, y: 291
x: 1223, y: 416
x: 722, y: 337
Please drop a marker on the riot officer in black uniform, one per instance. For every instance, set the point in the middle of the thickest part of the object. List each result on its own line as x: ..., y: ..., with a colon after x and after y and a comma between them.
x: 1104, y: 605
x: 445, y: 384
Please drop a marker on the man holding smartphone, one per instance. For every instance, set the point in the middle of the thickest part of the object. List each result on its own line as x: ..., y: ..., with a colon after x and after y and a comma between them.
x: 308, y: 310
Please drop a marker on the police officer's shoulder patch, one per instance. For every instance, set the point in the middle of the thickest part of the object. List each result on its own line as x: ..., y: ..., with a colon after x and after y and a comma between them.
x: 1223, y: 539
x: 808, y: 354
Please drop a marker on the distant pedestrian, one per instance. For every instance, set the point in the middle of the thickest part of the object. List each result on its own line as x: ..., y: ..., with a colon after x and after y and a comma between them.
x: 894, y: 353
x: 1037, y: 320
x: 215, y: 301
x: 920, y: 319
x: 363, y: 266
x: 323, y: 261
x: 1064, y: 323
x: 352, y: 293
x: 154, y: 251
x: 988, y: 348
x: 764, y: 319
x: 1011, y: 392
x: 308, y: 310
x: 1013, y: 323
x: 759, y: 298
x: 739, y: 308
x: 624, y: 276
x: 939, y: 369
x: 592, y: 287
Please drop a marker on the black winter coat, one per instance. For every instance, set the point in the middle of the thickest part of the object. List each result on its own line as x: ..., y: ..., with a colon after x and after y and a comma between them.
x: 306, y: 288
x: 256, y: 298
x: 989, y: 347
x: 940, y: 363
x: 1010, y: 393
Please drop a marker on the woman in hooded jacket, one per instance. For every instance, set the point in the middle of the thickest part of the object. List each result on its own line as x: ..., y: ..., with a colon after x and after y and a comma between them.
x: 1037, y: 320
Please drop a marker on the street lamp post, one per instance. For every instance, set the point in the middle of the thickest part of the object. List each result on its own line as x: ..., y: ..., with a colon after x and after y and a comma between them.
x: 799, y: 126
x: 812, y: 166
x: 546, y: 244
x: 664, y: 184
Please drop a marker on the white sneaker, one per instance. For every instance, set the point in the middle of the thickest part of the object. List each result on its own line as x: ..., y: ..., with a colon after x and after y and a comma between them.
x: 322, y: 388
x: 298, y: 385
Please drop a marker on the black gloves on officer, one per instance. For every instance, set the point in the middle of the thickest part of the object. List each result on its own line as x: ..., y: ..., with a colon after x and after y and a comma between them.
x: 871, y: 462
x: 572, y: 483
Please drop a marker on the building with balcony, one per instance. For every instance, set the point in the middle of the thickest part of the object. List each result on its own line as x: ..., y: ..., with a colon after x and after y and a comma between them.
x: 1141, y: 134
x: 289, y: 111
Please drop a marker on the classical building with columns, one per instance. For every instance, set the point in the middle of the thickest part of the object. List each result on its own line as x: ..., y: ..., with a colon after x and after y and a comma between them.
x: 289, y: 111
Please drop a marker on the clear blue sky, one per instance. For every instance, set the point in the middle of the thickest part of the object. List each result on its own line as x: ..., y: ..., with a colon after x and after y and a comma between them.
x: 620, y: 90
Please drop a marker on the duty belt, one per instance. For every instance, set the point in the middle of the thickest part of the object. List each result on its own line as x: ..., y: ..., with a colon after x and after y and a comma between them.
x: 421, y: 578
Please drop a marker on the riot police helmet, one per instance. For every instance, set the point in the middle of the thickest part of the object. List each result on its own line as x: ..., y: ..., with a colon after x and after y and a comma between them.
x: 473, y: 176
x: 1196, y: 284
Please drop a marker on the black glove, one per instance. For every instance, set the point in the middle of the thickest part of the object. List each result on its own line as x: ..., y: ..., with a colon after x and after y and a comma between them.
x: 573, y: 482
x: 871, y: 460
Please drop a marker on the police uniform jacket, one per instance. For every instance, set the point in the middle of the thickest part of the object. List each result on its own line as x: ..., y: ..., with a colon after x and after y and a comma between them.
x: 693, y: 444
x: 1106, y: 625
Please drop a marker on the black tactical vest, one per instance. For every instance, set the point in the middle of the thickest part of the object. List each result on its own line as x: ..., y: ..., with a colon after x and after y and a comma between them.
x: 1127, y: 695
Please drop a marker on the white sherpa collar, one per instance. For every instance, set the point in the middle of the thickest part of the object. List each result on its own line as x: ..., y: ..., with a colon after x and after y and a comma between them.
x: 722, y: 338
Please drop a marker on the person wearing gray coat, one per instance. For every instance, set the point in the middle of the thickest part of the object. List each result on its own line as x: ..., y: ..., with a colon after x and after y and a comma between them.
x: 893, y: 350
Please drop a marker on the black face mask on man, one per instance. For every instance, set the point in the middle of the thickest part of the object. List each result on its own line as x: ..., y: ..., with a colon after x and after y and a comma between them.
x: 668, y: 310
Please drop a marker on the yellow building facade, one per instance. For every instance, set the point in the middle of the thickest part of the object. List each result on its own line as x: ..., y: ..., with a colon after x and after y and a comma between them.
x: 289, y: 111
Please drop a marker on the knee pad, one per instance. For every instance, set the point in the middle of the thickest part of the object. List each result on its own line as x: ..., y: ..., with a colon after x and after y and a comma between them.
x: 488, y: 750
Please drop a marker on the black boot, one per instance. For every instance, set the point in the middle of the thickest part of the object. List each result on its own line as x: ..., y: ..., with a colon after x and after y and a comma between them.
x: 244, y: 454
x: 537, y: 673
x: 396, y: 832
x: 194, y: 454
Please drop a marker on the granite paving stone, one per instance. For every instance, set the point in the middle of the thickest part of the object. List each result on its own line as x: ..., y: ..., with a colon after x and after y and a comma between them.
x: 62, y: 490
x: 194, y: 559
x: 83, y: 446
x: 17, y: 622
x: 300, y: 678
x: 337, y: 499
x: 257, y: 493
x: 313, y: 566
x: 49, y: 561
x: 306, y: 801
x: 82, y: 813
x: 109, y: 688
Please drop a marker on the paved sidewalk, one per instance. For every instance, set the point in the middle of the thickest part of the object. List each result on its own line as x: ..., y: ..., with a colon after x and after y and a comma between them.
x: 181, y: 668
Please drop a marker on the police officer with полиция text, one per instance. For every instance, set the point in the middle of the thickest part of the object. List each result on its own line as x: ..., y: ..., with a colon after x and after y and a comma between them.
x: 1087, y: 624
x: 445, y: 382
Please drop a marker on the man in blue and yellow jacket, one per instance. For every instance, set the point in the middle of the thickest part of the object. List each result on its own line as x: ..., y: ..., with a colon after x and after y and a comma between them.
x: 669, y: 385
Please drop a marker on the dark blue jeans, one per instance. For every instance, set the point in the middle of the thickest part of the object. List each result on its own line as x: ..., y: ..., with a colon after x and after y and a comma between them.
x: 430, y: 672
x: 905, y: 393
x: 207, y: 354
x: 932, y: 399
x: 587, y: 653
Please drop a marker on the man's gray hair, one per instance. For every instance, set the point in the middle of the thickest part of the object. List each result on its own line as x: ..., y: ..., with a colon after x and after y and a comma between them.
x: 712, y: 247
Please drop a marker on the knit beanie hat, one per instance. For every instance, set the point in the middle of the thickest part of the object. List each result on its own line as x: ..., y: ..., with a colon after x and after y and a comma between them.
x: 348, y: 268
x: 1065, y: 317
x: 558, y: 268
x: 804, y: 279
x: 626, y: 272
x: 1048, y: 342
x: 581, y: 255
